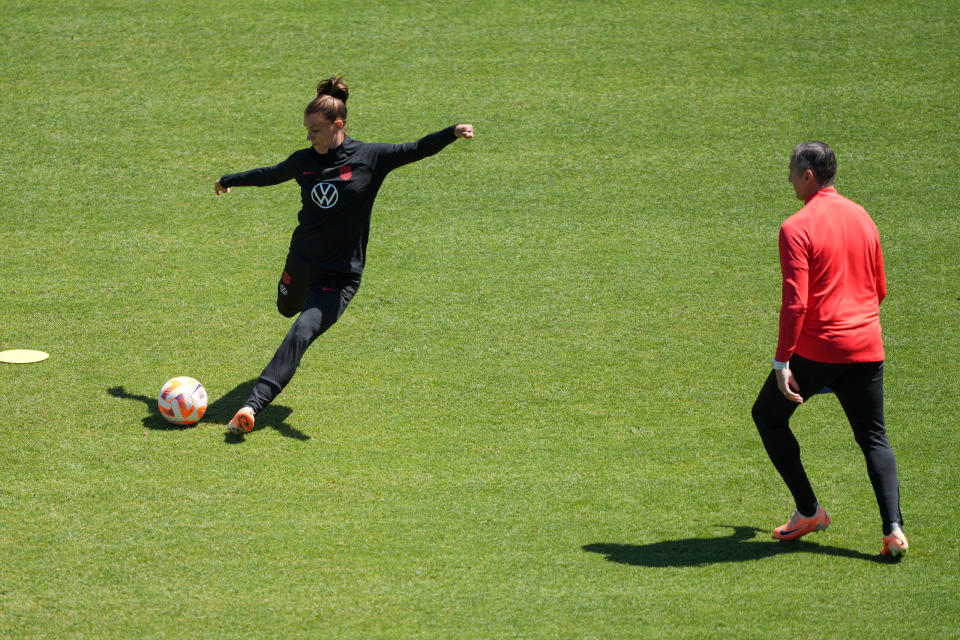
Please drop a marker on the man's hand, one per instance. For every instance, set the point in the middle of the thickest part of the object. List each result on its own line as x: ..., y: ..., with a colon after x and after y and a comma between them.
x: 788, y: 386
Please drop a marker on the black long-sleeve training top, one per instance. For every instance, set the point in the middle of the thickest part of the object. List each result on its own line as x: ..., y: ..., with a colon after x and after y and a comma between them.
x: 337, y: 190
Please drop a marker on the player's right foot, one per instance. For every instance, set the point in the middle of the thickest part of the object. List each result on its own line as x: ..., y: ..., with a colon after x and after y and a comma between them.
x: 800, y: 525
x: 894, y: 544
x: 242, y: 421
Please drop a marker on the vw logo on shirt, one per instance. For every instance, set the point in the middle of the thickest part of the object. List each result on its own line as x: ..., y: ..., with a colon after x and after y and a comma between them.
x: 324, y: 195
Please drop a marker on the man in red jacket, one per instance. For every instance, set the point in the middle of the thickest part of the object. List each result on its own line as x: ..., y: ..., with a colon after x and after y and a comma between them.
x: 833, y: 283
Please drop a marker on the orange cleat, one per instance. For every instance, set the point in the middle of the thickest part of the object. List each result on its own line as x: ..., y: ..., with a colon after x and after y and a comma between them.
x: 800, y: 525
x: 894, y: 544
x: 242, y: 421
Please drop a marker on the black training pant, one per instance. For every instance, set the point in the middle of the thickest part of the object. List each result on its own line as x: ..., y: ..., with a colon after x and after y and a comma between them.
x: 320, y: 300
x: 859, y: 388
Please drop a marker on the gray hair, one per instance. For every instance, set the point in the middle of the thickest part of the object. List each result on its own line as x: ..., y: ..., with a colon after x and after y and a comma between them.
x: 818, y: 157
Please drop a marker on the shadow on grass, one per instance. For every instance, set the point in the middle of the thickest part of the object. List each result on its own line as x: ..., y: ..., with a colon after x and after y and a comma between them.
x: 220, y: 411
x: 739, y: 546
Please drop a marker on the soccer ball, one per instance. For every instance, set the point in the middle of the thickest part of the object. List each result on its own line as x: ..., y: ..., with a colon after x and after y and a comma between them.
x: 182, y: 400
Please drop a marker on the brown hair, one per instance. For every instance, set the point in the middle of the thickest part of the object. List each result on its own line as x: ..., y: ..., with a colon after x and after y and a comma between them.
x: 331, y: 100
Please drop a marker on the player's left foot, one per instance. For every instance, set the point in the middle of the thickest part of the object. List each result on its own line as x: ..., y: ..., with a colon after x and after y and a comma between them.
x: 242, y: 421
x: 895, y: 544
x: 800, y: 525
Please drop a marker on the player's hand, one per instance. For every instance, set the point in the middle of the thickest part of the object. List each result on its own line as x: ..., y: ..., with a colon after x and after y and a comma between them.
x: 463, y: 130
x: 219, y: 188
x: 788, y: 385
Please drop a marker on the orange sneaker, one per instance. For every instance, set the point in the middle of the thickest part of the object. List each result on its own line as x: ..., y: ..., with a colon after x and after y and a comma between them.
x: 894, y: 544
x: 242, y: 421
x: 800, y: 525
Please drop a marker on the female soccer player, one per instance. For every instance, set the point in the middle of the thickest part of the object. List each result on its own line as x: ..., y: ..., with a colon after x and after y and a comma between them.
x: 339, y: 178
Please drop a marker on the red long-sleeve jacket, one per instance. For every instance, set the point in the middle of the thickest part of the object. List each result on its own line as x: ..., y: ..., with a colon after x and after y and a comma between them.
x: 833, y: 282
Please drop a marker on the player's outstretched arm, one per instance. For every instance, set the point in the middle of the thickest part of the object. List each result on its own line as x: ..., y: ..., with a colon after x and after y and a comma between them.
x: 219, y: 188
x: 463, y: 131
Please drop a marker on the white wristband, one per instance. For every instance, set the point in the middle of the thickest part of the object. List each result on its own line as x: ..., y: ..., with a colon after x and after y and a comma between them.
x: 777, y: 365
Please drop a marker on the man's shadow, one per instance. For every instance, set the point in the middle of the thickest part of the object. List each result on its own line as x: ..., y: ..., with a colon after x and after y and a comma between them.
x: 739, y: 546
x: 220, y: 411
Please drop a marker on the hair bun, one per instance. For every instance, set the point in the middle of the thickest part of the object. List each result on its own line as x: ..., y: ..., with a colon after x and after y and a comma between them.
x: 333, y: 87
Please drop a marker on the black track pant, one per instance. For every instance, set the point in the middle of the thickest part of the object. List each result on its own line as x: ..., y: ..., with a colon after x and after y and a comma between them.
x: 320, y: 301
x: 859, y: 388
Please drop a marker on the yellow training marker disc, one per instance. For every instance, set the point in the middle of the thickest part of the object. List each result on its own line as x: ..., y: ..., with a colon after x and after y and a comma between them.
x: 22, y: 356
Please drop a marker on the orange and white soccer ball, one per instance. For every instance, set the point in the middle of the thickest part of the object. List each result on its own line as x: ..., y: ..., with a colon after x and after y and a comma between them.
x: 182, y: 400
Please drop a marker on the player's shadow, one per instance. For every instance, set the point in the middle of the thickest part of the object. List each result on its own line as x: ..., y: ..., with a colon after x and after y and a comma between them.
x: 739, y: 546
x: 219, y: 411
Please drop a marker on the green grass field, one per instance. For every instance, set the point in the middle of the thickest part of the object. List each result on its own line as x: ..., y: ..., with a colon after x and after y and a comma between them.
x: 534, y: 419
